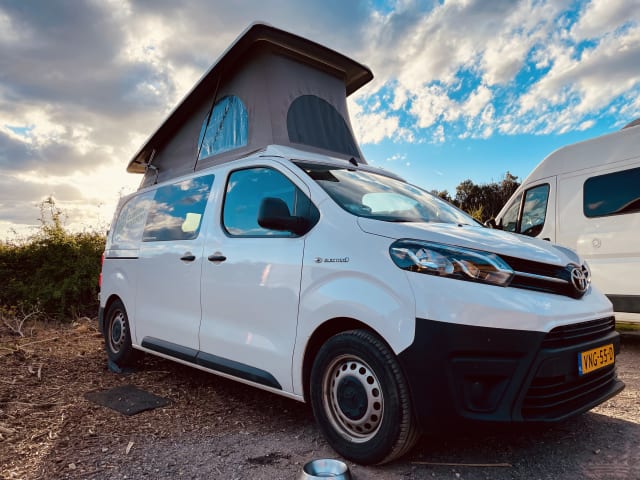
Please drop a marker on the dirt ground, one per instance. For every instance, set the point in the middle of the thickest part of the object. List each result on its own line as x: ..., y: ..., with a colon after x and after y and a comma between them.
x: 216, y: 428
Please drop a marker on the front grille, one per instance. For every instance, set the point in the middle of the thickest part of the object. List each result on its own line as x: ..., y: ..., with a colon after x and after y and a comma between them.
x: 557, y: 392
x: 542, y: 277
x: 537, y: 268
x: 576, y: 333
x: 552, y: 398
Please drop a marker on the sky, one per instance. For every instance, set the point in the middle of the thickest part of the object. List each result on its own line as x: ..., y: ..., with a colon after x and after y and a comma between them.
x: 463, y: 89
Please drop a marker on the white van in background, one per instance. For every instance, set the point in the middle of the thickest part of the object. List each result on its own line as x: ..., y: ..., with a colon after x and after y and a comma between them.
x: 586, y: 196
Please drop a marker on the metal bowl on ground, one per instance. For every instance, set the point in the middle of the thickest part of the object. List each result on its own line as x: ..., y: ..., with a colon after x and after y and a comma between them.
x: 323, y: 468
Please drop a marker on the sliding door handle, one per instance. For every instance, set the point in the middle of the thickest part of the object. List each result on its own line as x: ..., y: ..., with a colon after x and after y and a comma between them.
x: 216, y: 257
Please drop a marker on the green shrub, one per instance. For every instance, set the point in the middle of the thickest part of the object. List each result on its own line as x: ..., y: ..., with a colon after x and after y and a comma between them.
x: 54, y: 271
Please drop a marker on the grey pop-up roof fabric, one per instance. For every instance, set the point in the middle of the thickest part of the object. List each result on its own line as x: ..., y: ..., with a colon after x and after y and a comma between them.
x: 269, y: 87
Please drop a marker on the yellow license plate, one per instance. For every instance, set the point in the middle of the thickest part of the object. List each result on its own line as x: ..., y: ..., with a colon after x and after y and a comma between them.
x: 594, y: 359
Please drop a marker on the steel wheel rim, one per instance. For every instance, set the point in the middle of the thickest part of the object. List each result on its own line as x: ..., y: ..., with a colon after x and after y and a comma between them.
x: 352, y: 398
x: 117, y: 331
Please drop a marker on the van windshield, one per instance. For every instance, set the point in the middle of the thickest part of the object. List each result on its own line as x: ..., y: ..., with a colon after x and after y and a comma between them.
x: 367, y: 194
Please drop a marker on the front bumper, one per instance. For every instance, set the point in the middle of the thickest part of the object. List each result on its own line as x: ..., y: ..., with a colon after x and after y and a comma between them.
x: 461, y: 372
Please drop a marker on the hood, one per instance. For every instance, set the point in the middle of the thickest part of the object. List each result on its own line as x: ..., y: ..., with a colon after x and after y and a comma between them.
x: 474, y: 237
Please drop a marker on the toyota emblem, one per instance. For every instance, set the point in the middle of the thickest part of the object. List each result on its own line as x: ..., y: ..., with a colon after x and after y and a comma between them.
x: 580, y: 279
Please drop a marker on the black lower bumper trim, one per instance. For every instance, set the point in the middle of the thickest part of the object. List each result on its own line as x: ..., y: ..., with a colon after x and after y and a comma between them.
x: 557, y: 400
x: 461, y: 372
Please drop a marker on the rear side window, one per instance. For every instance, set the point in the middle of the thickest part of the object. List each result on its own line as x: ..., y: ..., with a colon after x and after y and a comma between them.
x: 176, y: 210
x: 612, y: 194
x: 133, y: 216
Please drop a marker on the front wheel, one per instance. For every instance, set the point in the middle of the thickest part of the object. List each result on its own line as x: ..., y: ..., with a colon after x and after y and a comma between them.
x: 361, y: 400
x: 117, y: 335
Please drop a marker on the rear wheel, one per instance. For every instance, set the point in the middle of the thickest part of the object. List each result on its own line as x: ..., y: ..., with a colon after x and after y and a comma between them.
x: 117, y: 335
x: 360, y: 399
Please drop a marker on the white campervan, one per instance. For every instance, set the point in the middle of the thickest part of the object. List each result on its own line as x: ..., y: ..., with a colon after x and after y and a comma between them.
x: 262, y: 247
x: 586, y: 196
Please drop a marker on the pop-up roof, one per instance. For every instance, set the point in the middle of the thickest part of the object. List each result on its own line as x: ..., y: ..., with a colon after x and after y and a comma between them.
x: 269, y: 87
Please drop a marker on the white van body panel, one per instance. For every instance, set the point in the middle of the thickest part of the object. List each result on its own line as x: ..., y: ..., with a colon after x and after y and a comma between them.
x: 122, y: 278
x: 474, y: 237
x: 168, y: 306
x: 341, y: 282
x: 511, y: 308
x: 535, y: 311
x: 123, y: 246
x: 609, y: 243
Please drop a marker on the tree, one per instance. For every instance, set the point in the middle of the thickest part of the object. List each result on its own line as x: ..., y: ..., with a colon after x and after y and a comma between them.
x: 54, y: 272
x: 485, y: 201
x: 443, y: 194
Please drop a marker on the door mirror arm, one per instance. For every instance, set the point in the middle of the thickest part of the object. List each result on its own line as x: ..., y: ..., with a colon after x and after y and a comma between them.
x: 491, y: 223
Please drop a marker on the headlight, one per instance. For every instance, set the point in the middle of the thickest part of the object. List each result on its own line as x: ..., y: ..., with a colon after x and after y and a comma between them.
x: 450, y: 261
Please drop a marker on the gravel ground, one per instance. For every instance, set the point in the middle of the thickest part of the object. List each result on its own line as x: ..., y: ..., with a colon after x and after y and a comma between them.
x: 215, y: 428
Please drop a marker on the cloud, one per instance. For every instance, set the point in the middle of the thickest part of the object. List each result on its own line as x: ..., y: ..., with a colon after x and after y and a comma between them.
x: 512, y: 67
x: 397, y: 157
x: 578, y: 85
x: 372, y: 125
x: 77, y: 64
x: 597, y: 18
x: 438, y: 135
x: 82, y: 84
x: 19, y: 199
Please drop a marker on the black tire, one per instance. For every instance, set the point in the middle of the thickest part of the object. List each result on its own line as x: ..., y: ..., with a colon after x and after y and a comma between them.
x: 361, y: 400
x: 117, y: 335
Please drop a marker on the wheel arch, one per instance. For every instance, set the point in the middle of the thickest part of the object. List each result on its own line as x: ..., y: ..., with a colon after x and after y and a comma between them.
x: 111, y: 299
x: 103, y: 310
x: 320, y: 335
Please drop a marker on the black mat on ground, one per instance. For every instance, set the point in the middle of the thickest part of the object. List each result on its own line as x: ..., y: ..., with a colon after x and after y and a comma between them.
x: 127, y: 399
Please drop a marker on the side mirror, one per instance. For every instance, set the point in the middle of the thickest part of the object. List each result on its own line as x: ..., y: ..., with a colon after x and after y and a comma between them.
x: 274, y: 215
x: 491, y: 223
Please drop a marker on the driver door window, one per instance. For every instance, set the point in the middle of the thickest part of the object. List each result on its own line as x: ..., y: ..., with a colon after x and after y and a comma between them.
x: 510, y: 217
x: 528, y: 218
x: 245, y: 191
x: 534, y: 210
